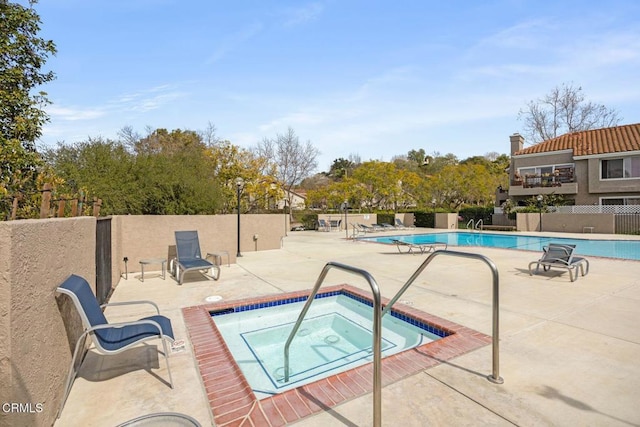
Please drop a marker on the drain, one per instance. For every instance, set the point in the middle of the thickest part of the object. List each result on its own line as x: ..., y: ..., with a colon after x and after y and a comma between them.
x: 331, y: 339
x: 304, y: 332
x: 213, y: 298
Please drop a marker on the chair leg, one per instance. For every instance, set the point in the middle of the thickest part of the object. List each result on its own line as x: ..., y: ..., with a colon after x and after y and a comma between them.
x: 166, y: 358
x: 215, y: 272
x: 72, y: 374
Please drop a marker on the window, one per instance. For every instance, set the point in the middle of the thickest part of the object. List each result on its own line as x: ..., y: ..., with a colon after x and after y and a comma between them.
x: 626, y: 167
x: 620, y: 201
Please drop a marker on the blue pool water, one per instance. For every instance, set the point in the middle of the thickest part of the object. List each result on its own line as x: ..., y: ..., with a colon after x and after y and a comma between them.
x: 623, y: 249
x: 335, y: 336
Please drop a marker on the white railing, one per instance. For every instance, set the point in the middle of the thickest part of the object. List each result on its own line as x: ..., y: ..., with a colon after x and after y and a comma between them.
x: 593, y: 209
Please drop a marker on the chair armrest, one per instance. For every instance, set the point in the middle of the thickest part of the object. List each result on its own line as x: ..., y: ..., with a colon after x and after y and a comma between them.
x: 132, y: 303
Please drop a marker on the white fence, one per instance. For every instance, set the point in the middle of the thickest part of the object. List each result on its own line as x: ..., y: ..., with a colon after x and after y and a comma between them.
x: 590, y: 209
x: 586, y: 209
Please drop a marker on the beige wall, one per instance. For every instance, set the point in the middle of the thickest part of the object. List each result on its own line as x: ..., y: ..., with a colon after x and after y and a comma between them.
x: 148, y: 236
x: 35, y: 257
x: 39, y: 328
x: 568, y: 223
x: 447, y: 220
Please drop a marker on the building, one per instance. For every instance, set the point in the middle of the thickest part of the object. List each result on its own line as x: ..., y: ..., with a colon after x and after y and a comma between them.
x: 593, y: 167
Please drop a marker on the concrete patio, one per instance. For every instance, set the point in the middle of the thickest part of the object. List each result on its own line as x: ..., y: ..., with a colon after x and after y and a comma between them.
x: 568, y: 351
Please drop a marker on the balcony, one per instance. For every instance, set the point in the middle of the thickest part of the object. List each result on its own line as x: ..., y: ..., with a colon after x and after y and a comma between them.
x: 561, y: 181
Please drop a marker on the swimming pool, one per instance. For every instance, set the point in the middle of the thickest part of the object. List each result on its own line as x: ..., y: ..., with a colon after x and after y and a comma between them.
x: 623, y: 249
x: 233, y: 400
x: 335, y: 336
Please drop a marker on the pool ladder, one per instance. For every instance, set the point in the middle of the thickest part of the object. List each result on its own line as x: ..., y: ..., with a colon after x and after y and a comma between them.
x: 477, y: 226
x: 378, y: 313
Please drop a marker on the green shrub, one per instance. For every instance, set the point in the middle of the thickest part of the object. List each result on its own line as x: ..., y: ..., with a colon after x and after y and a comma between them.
x: 386, y: 218
x: 425, y: 219
x: 476, y: 213
x: 308, y: 219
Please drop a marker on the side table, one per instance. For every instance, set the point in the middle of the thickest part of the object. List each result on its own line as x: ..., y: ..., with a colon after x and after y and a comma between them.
x: 147, y: 261
x: 217, y: 257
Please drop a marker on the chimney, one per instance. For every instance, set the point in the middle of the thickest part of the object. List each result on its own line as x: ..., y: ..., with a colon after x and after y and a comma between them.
x: 517, y: 142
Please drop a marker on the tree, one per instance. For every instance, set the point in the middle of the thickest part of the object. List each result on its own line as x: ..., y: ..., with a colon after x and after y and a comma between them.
x: 564, y: 110
x: 22, y: 55
x: 231, y: 162
x: 292, y: 159
x: 341, y: 168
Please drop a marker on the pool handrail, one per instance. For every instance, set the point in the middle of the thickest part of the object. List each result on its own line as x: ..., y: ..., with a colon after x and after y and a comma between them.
x: 480, y: 224
x: 495, y: 376
x: 472, y: 224
x: 377, y: 332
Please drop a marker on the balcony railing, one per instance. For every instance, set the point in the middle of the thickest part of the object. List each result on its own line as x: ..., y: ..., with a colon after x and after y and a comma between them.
x: 555, y: 179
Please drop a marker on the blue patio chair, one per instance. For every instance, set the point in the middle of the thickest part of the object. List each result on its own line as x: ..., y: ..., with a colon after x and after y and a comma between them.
x: 557, y: 255
x: 189, y: 258
x: 111, y: 338
x: 323, y: 225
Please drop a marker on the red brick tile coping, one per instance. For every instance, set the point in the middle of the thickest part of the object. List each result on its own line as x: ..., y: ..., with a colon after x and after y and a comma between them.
x: 233, y: 403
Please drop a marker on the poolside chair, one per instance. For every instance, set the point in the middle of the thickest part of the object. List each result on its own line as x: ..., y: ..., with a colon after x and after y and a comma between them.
x: 400, y: 224
x: 111, y: 338
x: 323, y: 225
x: 557, y: 255
x: 189, y: 258
x: 366, y: 228
x: 387, y: 226
x: 422, y: 247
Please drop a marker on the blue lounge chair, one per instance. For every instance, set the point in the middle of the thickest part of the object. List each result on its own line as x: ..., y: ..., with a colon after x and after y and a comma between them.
x: 556, y: 255
x: 111, y: 338
x: 189, y: 258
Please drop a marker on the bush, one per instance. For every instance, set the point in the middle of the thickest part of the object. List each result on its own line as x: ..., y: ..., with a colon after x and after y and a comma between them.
x: 476, y: 213
x: 308, y: 219
x: 386, y: 218
x: 425, y: 219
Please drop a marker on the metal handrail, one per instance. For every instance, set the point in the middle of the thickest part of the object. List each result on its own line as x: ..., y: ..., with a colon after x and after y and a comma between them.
x: 377, y: 332
x: 481, y: 224
x: 472, y: 224
x: 495, y: 376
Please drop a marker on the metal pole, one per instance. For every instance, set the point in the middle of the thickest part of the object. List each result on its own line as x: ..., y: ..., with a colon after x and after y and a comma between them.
x: 346, y: 224
x: 377, y: 332
x: 238, y: 193
x: 284, y: 210
x: 495, y: 376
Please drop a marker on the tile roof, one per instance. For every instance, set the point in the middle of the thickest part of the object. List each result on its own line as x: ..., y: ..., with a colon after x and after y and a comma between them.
x: 592, y: 142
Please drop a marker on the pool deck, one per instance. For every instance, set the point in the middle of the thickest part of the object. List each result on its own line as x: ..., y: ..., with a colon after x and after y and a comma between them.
x: 569, y: 352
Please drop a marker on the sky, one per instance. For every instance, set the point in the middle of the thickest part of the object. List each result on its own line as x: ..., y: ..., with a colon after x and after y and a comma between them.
x: 369, y: 78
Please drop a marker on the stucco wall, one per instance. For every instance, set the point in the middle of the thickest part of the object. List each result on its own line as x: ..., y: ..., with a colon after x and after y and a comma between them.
x: 146, y: 236
x: 446, y: 220
x: 35, y: 256
x: 567, y: 223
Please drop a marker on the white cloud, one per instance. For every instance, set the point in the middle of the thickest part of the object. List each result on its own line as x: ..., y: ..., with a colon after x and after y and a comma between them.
x: 302, y: 15
x: 75, y: 113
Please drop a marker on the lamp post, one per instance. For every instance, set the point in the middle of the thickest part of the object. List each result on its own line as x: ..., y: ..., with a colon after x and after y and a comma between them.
x: 433, y: 203
x: 284, y: 211
x: 239, y: 184
x: 345, y: 207
x: 539, y: 199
